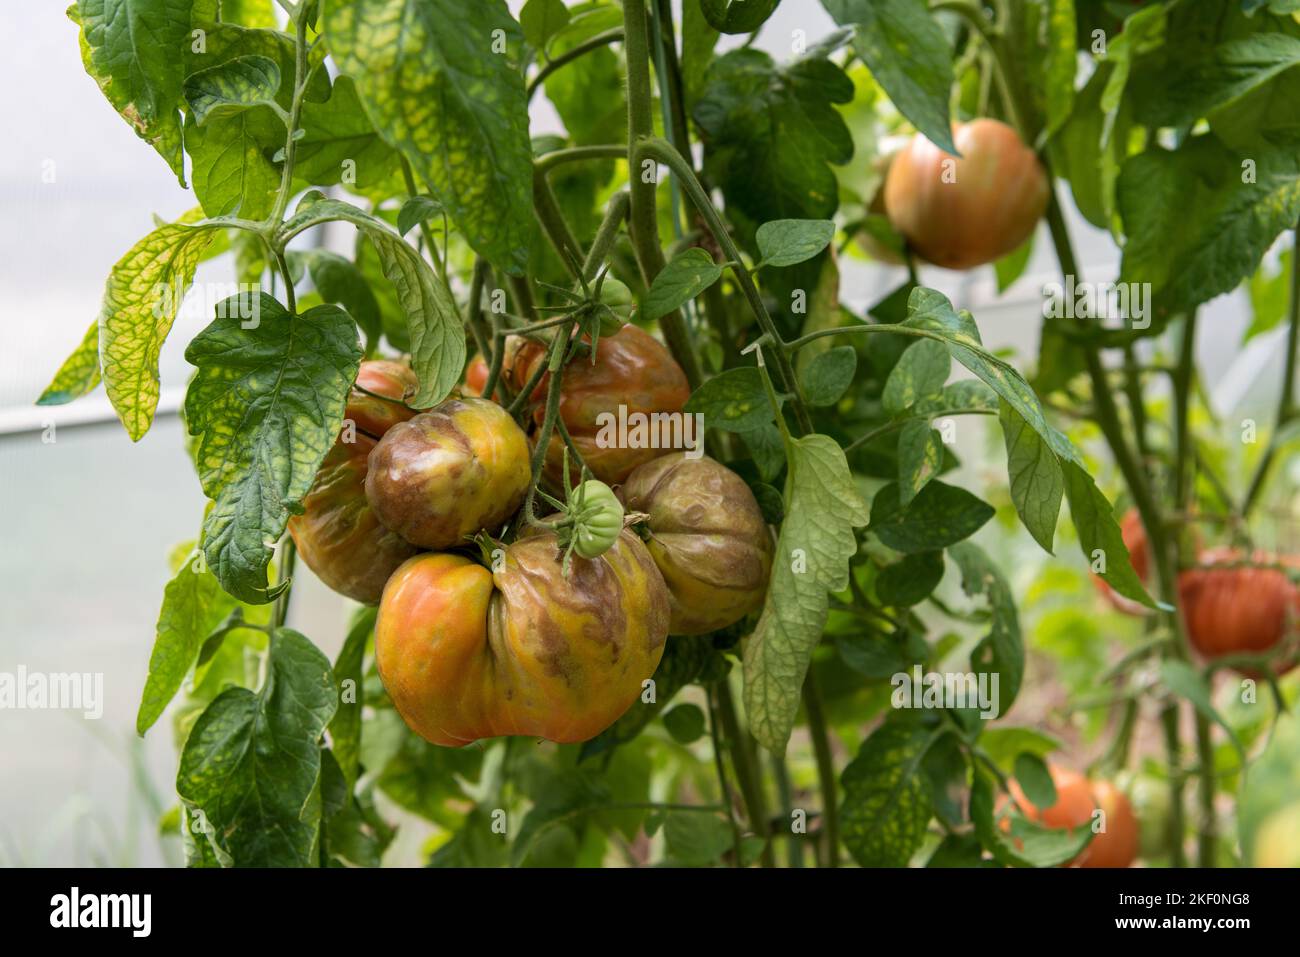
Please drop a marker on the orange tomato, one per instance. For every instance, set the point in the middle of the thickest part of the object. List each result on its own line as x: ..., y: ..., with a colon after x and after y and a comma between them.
x: 1077, y: 799
x: 961, y: 213
x: 1238, y: 610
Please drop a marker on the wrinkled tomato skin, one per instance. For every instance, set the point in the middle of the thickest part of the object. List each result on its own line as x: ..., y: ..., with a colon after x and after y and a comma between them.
x: 466, y: 653
x: 447, y: 473
x: 989, y: 204
x: 708, y: 537
x: 631, y: 369
x: 1238, y: 610
x: 1076, y: 800
x: 338, y: 535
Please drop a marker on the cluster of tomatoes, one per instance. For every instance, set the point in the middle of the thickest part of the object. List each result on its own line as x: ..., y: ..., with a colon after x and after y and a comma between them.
x: 528, y: 637
x: 1233, y: 604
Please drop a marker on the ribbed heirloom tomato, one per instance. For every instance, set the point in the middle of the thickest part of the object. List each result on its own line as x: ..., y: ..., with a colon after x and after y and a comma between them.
x: 1238, y: 609
x: 708, y: 538
x: 961, y: 213
x: 338, y: 535
x: 467, y: 653
x: 1077, y: 799
x: 633, y: 371
x: 447, y: 473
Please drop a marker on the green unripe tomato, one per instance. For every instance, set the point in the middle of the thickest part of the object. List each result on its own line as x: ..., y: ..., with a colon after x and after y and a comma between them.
x: 621, y: 303
x: 597, y: 521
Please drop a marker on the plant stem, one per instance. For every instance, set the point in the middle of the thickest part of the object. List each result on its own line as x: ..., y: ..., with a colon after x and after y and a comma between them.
x: 663, y: 152
x: 295, y: 113
x: 287, y: 564
x: 412, y: 189
x: 812, y: 703
x: 553, y: 224
x: 616, y: 213
x: 1174, y: 837
x: 568, y: 56
x: 794, y: 849
x: 576, y: 154
x: 1286, y: 408
x: 720, y: 767
x: 744, y: 759
x: 1207, y: 827
x: 644, y: 225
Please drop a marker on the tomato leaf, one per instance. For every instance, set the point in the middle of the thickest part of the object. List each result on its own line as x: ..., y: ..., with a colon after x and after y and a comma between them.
x: 737, y: 16
x: 416, y: 210
x: 193, y: 607
x: 452, y: 104
x: 907, y: 53
x: 1195, y: 229
x: 1026, y: 844
x: 1037, y: 483
x: 920, y: 372
x: 911, y: 579
x: 345, y: 726
x: 233, y: 86
x: 688, y: 275
x: 816, y: 542
x: 1186, y: 682
x: 785, y: 242
x: 920, y: 457
x: 268, y: 401
x: 734, y: 401
x: 79, y: 373
x: 541, y: 19
x: 887, y: 796
x: 1002, y: 650
x: 938, y: 516
x: 437, y: 334
x: 339, y: 144
x: 1004, y: 744
x: 1062, y: 62
x: 232, y: 170
x: 338, y: 280
x: 685, y: 723
x: 143, y: 294
x: 828, y: 376
x: 1034, y: 779
x: 251, y: 761
x: 770, y: 132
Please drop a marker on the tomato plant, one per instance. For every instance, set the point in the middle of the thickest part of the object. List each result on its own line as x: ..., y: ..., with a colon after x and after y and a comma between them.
x: 793, y: 612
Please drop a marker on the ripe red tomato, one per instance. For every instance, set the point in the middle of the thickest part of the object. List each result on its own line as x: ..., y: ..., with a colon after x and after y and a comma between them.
x: 1238, y: 610
x: 961, y: 213
x: 708, y: 537
x: 338, y: 535
x: 1077, y: 798
x: 476, y: 374
x: 447, y: 473
x: 467, y: 653
x: 632, y: 370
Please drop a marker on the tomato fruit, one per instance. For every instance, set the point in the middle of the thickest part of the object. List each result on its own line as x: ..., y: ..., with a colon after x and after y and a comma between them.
x: 708, y: 537
x: 632, y: 370
x: 449, y: 472
x: 962, y: 213
x: 467, y: 653
x: 598, y: 518
x: 338, y: 534
x: 1238, y: 610
x: 476, y: 375
x: 615, y: 294
x: 1077, y: 799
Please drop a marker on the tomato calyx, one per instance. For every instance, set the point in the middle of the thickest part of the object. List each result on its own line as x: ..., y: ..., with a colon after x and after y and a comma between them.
x: 589, y: 520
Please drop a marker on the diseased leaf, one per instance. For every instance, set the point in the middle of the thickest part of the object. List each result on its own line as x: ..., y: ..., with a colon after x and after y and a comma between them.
x: 452, y: 103
x: 734, y: 401
x: 911, y: 579
x: 193, y: 607
x: 251, y: 762
x: 232, y: 87
x: 816, y: 542
x: 143, y: 294
x: 1062, y: 63
x: 232, y: 169
x: 940, y: 515
x: 908, y: 55
x: 887, y: 797
x: 920, y: 456
x: 268, y: 401
x: 1002, y: 650
x: 154, y: 118
x: 437, y: 333
x: 920, y: 372
x: 681, y: 280
x: 79, y: 373
x: 339, y: 144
